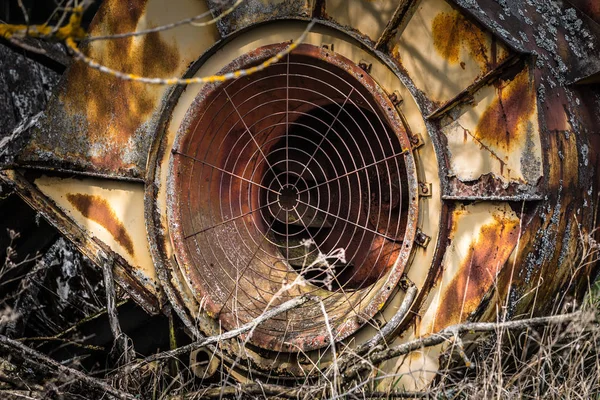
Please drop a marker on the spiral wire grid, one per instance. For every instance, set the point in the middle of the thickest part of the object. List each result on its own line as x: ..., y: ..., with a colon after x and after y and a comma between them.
x: 292, y: 171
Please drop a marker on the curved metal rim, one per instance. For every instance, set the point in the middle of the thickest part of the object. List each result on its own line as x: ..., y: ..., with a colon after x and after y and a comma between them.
x: 384, y: 287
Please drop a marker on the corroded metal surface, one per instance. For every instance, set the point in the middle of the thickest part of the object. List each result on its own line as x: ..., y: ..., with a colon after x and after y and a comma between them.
x: 101, y: 122
x: 138, y: 286
x: 225, y: 217
x: 509, y: 146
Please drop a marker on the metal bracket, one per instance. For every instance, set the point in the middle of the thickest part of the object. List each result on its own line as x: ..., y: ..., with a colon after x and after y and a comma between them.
x: 416, y: 140
x: 422, y: 239
x: 425, y: 189
x: 396, y: 98
x: 365, y: 66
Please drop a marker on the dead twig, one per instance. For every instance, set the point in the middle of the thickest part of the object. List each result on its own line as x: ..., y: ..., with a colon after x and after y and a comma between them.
x: 388, y: 329
x: 288, y: 305
x: 263, y: 390
x: 62, y: 372
x: 452, y: 332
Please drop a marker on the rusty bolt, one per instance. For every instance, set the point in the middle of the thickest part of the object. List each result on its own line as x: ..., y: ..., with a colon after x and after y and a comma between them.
x: 365, y: 66
x: 396, y: 98
x: 422, y: 239
x: 415, y: 140
x: 425, y: 189
x: 302, y: 359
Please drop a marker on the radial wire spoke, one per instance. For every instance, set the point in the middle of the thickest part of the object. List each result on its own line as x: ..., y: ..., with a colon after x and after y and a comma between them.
x: 231, y: 219
x: 324, y: 135
x: 225, y: 171
x: 252, y: 136
x: 348, y: 221
x: 250, y: 261
x: 352, y: 172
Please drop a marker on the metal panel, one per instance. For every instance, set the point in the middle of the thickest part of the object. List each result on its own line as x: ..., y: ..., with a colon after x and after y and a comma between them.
x: 99, y: 124
x: 443, y: 51
x: 110, y: 211
x: 494, y: 146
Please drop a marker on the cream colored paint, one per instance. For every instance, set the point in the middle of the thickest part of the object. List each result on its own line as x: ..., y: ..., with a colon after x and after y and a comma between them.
x: 368, y: 17
x: 469, y: 221
x: 127, y: 201
x: 438, y: 78
x: 470, y: 157
x: 419, y: 370
x: 191, y: 41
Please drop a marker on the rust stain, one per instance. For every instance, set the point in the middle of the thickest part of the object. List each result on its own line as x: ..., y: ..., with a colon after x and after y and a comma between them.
x: 504, y: 120
x: 452, y: 32
x: 115, y: 109
x: 99, y: 210
x: 486, y: 256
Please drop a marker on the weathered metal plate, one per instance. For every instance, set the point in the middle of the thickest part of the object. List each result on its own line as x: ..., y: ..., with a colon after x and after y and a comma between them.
x: 443, y: 51
x: 142, y: 288
x: 562, y: 38
x: 481, y: 239
x: 493, y: 143
x: 101, y: 125
x: 112, y: 212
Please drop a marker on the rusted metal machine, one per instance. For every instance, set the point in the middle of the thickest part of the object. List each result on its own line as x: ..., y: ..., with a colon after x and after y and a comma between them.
x: 449, y: 144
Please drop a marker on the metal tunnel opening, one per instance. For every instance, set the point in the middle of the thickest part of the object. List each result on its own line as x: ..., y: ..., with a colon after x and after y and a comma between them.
x: 287, y: 182
x: 323, y: 205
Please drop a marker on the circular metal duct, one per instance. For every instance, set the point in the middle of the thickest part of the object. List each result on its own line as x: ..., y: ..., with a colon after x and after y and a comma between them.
x: 295, y: 180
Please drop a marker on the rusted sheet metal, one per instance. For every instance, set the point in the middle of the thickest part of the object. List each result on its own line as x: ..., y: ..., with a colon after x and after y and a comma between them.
x: 493, y: 143
x: 252, y: 12
x: 481, y: 239
x: 502, y: 129
x: 591, y: 8
x: 477, y: 248
x: 549, y: 261
x: 443, y: 51
x: 111, y: 212
x: 100, y: 125
x: 139, y: 286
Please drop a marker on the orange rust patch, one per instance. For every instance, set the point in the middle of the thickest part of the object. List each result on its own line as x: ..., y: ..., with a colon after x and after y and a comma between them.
x: 114, y: 109
x: 453, y: 32
x: 99, y: 210
x: 505, y: 118
x: 487, y: 255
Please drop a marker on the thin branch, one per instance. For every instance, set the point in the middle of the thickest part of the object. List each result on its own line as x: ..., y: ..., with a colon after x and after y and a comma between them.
x: 288, y: 305
x: 263, y: 390
x: 63, y: 372
x: 70, y: 42
x: 451, y: 332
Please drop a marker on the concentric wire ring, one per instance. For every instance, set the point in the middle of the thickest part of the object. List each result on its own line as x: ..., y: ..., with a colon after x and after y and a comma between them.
x: 294, y: 180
